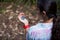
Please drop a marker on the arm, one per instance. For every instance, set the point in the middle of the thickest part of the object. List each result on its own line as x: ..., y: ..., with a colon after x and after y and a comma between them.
x: 26, y: 26
x: 24, y: 21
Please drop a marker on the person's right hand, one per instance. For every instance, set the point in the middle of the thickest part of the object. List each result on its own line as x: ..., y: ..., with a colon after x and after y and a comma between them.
x: 24, y: 20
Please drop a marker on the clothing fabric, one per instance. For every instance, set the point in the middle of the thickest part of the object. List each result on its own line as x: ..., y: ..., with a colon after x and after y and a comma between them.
x: 40, y: 31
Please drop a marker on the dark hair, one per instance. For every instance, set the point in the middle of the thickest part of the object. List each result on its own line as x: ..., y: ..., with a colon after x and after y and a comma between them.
x: 49, y: 6
x: 51, y: 9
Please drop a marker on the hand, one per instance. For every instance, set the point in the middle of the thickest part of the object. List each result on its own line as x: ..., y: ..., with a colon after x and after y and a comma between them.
x: 25, y: 21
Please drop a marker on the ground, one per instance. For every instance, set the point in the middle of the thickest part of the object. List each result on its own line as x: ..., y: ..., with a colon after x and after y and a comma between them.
x: 10, y: 27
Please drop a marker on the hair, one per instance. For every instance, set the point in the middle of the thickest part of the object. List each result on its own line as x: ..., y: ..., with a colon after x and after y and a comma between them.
x: 50, y: 6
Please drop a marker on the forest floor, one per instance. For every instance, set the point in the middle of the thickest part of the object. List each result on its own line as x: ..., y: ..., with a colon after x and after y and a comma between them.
x: 10, y: 27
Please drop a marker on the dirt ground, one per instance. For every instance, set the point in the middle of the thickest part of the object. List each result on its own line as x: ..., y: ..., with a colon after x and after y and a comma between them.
x: 10, y: 27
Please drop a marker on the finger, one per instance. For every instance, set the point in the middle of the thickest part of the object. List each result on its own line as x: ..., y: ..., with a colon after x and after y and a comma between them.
x: 21, y: 14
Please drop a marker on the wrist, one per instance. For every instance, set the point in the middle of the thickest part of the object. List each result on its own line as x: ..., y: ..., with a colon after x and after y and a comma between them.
x: 26, y: 26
